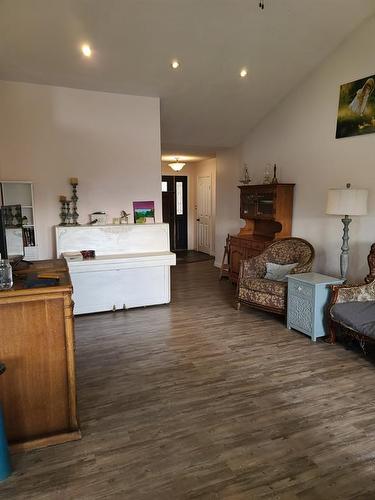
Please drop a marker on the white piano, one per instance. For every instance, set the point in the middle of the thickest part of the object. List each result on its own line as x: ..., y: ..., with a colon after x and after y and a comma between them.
x: 131, y: 267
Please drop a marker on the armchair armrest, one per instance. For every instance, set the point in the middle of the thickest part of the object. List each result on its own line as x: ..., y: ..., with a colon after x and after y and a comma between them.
x: 353, y: 293
x: 302, y: 268
x: 252, y: 268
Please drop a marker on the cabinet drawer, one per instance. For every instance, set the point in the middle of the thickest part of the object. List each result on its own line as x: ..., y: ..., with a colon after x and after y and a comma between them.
x: 300, y: 289
x: 301, y: 313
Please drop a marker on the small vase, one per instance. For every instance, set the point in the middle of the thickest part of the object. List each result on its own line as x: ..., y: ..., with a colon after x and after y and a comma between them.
x: 267, y: 175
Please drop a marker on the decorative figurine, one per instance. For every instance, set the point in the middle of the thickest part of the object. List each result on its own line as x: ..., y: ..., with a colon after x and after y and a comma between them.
x: 124, y: 217
x: 267, y: 175
x: 99, y: 218
x: 246, y: 178
x: 274, y: 179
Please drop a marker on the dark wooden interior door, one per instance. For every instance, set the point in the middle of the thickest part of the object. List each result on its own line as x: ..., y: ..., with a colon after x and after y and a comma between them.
x: 168, y: 206
x: 175, y: 209
x: 181, y: 241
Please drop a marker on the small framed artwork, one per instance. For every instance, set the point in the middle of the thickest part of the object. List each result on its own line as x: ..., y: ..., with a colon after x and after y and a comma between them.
x: 356, y: 113
x: 144, y: 212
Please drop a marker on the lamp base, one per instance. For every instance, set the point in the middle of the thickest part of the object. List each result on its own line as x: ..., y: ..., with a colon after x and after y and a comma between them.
x: 344, y: 257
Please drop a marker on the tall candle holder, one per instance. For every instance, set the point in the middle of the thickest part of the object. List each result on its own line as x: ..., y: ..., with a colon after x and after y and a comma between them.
x: 69, y: 214
x: 75, y: 214
x: 62, y: 200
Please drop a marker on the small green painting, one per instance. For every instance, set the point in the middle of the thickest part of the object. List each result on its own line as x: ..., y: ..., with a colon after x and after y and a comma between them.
x: 144, y: 212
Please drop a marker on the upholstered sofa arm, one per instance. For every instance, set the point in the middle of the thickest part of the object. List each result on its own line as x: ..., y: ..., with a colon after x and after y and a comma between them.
x: 353, y: 293
x: 252, y: 268
x: 302, y: 268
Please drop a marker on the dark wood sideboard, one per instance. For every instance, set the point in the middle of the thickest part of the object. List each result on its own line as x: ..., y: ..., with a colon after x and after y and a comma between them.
x: 267, y: 210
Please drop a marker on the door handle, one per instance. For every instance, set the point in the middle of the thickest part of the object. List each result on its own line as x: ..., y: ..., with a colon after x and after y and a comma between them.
x: 198, y: 220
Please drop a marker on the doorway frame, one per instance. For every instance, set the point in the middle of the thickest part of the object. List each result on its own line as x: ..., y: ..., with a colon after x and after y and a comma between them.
x: 179, y: 220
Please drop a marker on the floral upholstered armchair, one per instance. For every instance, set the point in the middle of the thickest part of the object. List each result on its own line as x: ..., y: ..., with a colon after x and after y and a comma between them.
x: 255, y: 290
x: 352, y: 308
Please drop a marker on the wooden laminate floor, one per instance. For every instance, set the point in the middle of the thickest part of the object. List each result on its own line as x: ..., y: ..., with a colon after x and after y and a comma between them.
x: 198, y: 401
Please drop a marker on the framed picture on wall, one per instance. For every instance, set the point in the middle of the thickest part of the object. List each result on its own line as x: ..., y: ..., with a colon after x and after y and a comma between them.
x: 356, y: 113
x: 144, y: 212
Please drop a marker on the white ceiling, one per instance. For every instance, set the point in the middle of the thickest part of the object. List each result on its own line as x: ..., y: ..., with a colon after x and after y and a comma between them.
x: 204, y: 103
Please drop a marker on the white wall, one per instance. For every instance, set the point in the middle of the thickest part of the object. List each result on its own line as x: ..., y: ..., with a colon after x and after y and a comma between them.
x: 227, y: 199
x: 111, y: 142
x: 299, y: 135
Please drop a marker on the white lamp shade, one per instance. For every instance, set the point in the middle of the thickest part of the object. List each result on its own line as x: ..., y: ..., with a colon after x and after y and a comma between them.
x: 347, y: 201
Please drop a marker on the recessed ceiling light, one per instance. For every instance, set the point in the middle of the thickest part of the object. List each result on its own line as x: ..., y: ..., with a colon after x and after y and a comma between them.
x: 243, y: 73
x: 86, y: 50
x: 175, y: 64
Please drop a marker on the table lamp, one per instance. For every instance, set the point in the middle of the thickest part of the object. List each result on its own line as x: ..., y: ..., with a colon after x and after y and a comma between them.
x: 346, y: 202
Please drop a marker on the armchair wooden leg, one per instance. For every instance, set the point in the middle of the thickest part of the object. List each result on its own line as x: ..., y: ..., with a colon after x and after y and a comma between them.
x: 237, y: 306
x: 332, y: 333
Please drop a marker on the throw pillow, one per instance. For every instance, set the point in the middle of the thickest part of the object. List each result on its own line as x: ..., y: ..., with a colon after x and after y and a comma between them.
x: 278, y: 272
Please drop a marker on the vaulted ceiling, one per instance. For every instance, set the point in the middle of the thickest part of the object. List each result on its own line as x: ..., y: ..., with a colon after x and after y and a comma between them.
x: 204, y: 102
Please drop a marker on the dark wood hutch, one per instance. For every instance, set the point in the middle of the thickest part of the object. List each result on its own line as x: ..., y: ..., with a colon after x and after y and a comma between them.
x: 267, y: 210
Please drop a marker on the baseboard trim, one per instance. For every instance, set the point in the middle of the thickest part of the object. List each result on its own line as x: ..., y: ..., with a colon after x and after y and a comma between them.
x: 43, y: 442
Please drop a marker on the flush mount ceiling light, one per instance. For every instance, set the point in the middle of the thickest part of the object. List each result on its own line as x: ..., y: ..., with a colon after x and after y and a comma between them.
x: 86, y: 50
x: 243, y: 72
x: 175, y: 64
x: 176, y: 165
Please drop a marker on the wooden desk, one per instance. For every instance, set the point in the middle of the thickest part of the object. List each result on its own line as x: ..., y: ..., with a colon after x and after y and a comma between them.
x: 38, y: 389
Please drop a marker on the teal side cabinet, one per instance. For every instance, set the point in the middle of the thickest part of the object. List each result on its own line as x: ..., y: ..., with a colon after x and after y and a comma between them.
x: 308, y: 295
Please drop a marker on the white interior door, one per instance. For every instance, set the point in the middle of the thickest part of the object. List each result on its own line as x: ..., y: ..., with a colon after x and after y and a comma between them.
x: 204, y: 214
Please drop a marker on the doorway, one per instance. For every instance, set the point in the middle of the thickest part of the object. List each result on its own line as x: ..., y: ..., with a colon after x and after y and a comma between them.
x: 204, y: 214
x: 175, y: 209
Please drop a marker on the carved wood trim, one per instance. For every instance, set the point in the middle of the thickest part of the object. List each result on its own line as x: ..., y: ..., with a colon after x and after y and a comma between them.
x: 371, y: 264
x: 70, y: 355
